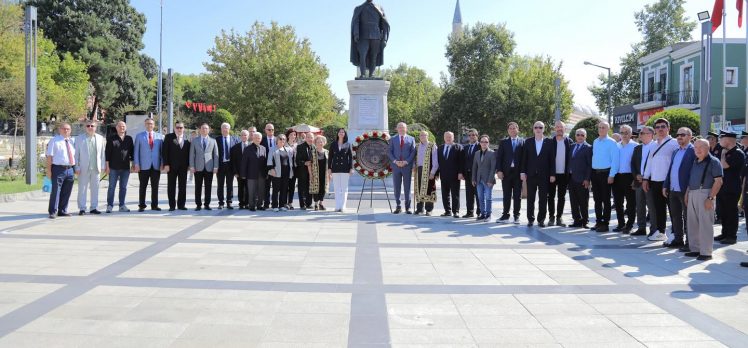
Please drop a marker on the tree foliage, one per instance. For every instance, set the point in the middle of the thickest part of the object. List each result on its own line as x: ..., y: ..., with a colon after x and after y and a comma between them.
x: 661, y: 24
x: 413, y: 95
x: 590, y: 125
x: 269, y: 75
x: 490, y: 85
x: 678, y: 117
x: 107, y: 36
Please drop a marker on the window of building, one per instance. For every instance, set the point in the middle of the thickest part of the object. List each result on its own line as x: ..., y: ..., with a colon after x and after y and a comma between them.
x: 731, y: 77
x: 650, y: 86
x: 687, y: 92
x: 662, y: 84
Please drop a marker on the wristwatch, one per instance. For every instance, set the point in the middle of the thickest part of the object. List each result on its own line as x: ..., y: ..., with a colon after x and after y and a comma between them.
x: 710, y: 198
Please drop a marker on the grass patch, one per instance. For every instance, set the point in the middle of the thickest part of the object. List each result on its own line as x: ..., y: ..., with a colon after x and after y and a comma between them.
x: 18, y: 185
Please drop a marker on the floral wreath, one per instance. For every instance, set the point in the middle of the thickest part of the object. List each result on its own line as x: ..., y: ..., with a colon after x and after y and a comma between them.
x: 383, y: 173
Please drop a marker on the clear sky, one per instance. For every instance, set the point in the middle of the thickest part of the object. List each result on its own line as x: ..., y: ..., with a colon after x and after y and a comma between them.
x: 569, y: 31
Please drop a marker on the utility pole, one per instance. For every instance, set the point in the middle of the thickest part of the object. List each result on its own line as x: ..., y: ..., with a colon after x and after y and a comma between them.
x: 30, y: 30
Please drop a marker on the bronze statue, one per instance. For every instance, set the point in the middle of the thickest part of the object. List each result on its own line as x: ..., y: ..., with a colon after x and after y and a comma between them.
x: 369, y: 34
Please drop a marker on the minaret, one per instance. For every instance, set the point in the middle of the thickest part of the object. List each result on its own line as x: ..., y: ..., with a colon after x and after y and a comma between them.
x: 457, y: 21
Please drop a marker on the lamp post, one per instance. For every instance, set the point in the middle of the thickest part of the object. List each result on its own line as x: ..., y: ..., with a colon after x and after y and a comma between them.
x: 610, y: 92
x: 705, y: 100
x: 160, y: 83
x: 30, y: 31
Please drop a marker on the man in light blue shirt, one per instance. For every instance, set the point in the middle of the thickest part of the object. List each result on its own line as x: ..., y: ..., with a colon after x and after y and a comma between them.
x: 622, y: 188
x: 676, y: 184
x: 605, y: 162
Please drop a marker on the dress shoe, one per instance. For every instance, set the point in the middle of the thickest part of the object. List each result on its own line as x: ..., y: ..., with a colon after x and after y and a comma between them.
x: 640, y: 232
x: 503, y: 219
x: 744, y: 264
x: 530, y: 223
x: 480, y: 218
x: 208, y: 208
x: 418, y: 212
x: 398, y: 210
x: 684, y: 249
x: 704, y: 257
x: 428, y: 213
x: 720, y: 237
x: 602, y: 229
x: 456, y: 215
x: 322, y: 207
x: 182, y: 208
x: 252, y: 209
x: 560, y: 222
x: 82, y: 212
x: 692, y: 254
x: 551, y: 222
x: 198, y: 209
x: 229, y: 207
x: 140, y: 210
x: 728, y: 241
x: 576, y: 225
x: 156, y: 209
x: 407, y: 211
x: 64, y: 214
x: 673, y: 244
x: 52, y: 216
x: 593, y: 228
x: 541, y: 224
x: 618, y: 228
x: 95, y: 212
x: 446, y: 214
x: 172, y: 209
x: 468, y: 215
x: 220, y: 206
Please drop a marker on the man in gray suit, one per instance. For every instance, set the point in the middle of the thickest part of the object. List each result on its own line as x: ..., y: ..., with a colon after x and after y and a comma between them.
x: 484, y: 177
x: 89, y: 163
x: 203, y: 164
x: 402, y: 151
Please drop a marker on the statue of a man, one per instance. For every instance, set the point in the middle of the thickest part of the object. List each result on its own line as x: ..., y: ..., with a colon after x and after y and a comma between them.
x: 369, y: 34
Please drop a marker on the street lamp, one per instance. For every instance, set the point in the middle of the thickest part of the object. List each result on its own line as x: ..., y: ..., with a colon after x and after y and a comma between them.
x: 610, y: 92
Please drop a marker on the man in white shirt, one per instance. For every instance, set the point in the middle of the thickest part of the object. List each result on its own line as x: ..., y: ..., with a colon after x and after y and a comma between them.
x: 644, y: 200
x: 60, y: 157
x: 655, y: 173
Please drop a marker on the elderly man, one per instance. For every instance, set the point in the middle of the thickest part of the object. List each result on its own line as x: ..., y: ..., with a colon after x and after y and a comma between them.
x: 580, y: 170
x: 237, y: 152
x: 304, y: 160
x: 60, y: 156
x: 90, y: 162
x: 176, y: 154
x: 254, y: 171
x: 538, y: 171
x: 655, y: 172
x: 704, y: 182
x: 148, y: 163
x: 450, y: 160
x: 427, y: 165
x: 605, y: 162
x: 402, y: 152
x: 676, y: 184
x: 203, y: 164
x: 225, y: 169
x: 623, y: 181
x: 269, y: 142
x: 644, y: 200
x: 118, y: 153
x: 732, y: 159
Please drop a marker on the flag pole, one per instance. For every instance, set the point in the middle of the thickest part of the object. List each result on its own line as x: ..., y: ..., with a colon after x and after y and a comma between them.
x: 724, y: 64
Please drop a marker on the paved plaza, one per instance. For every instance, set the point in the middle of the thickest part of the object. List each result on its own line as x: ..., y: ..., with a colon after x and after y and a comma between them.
x: 322, y: 279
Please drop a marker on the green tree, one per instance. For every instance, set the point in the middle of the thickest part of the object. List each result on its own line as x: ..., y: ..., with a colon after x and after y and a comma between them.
x: 413, y: 95
x: 108, y: 37
x: 678, y: 117
x: 219, y: 117
x: 661, y: 24
x: 490, y: 85
x: 269, y: 75
x: 590, y: 125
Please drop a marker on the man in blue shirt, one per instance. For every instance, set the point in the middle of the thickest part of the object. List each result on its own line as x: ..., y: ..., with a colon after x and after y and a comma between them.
x: 675, y: 188
x: 622, y: 188
x: 605, y: 162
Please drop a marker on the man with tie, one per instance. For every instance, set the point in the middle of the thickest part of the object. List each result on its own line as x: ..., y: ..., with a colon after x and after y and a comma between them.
x: 147, y: 163
x: 304, y: 160
x: 269, y: 143
x: 508, y: 159
x: 203, y: 164
x: 450, y: 173
x: 60, y: 157
x: 90, y: 161
x: 176, y: 156
x: 562, y: 149
x: 225, y: 170
x: 580, y: 170
x: 471, y: 191
x: 402, y: 152
x: 237, y: 152
x: 538, y: 170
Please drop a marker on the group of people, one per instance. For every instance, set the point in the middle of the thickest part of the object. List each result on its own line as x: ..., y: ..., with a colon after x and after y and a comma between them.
x: 694, y: 181
x: 267, y: 169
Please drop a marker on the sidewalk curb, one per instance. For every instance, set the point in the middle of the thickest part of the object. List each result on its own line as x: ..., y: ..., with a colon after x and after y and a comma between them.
x: 22, y: 196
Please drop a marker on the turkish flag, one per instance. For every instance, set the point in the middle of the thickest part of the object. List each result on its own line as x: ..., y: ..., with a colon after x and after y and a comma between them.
x: 719, y: 6
x: 739, y: 6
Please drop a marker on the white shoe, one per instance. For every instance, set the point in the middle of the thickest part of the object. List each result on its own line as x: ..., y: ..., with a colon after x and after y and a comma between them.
x: 670, y: 237
x: 109, y: 208
x: 123, y: 209
x: 276, y: 210
x: 516, y: 221
x: 283, y: 209
x: 657, y: 236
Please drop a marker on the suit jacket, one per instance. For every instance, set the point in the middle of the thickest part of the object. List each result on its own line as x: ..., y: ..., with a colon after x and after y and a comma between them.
x: 303, y: 154
x: 236, y: 157
x: 467, y: 168
x: 144, y: 156
x: 542, y: 164
x: 407, y: 153
x: 274, y: 161
x: 178, y: 159
x: 254, y: 162
x: 636, y: 160
x: 220, y: 142
x: 568, y: 144
x: 451, y: 166
x: 204, y: 160
x: 264, y: 143
x: 82, y: 156
x: 505, y: 155
x: 684, y: 172
x: 484, y: 171
x: 580, y: 163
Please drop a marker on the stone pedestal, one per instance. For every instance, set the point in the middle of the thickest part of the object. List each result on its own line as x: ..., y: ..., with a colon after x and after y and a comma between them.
x: 367, y: 111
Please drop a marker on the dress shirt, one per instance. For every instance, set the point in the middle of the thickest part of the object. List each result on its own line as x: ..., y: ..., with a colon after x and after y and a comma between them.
x: 515, y: 143
x: 61, y: 153
x: 605, y: 155
x: 560, y: 156
x: 92, y: 158
x: 658, y: 166
x: 646, y: 149
x: 625, y: 153
x: 226, y: 148
x: 538, y: 146
x: 675, y: 170
x: 434, y: 157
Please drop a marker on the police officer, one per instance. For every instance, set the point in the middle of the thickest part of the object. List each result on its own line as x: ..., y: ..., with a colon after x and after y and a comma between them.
x: 733, y: 161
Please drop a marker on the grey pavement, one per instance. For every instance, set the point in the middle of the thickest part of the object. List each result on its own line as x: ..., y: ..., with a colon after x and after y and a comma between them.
x: 368, y: 279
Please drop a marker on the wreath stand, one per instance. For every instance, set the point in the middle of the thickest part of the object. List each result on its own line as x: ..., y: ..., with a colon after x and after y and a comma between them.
x: 371, y: 193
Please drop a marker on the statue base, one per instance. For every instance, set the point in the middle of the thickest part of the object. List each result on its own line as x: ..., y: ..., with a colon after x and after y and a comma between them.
x: 367, y: 111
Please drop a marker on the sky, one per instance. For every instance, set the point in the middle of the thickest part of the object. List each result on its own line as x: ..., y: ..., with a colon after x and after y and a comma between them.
x: 570, y: 32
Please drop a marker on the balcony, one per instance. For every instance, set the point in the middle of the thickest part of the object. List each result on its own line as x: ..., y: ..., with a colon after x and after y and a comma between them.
x: 669, y: 99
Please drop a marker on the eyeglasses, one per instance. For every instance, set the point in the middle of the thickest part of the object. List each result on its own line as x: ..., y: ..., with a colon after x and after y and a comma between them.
x: 484, y: 142
x: 270, y: 129
x: 90, y: 126
x: 681, y: 135
x: 179, y: 127
x: 662, y: 126
x: 472, y: 135
x: 580, y: 135
x: 538, y: 127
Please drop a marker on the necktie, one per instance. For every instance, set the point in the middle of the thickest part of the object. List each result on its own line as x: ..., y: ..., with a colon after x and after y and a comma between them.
x: 150, y: 140
x: 446, y: 151
x: 402, y: 143
x: 71, y: 160
x: 576, y: 148
x: 205, y: 144
x: 270, y: 142
x: 514, y: 145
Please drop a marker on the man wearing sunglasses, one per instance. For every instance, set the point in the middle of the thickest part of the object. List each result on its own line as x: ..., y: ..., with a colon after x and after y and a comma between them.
x: 605, y: 162
x: 90, y: 162
x: 655, y: 172
x: 732, y: 159
x: 675, y: 188
x: 580, y: 170
x: 538, y: 170
x: 176, y: 154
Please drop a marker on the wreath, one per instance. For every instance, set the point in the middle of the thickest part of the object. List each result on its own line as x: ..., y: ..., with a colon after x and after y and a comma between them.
x: 358, y: 165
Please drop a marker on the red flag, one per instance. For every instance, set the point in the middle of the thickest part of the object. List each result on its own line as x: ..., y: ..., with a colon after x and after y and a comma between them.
x: 739, y: 6
x: 719, y: 6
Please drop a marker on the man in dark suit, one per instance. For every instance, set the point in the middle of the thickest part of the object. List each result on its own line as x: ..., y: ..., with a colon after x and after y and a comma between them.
x: 508, y: 158
x: 562, y: 150
x: 450, y: 173
x: 176, y: 154
x: 537, y: 170
x: 471, y: 192
x: 580, y: 174
x: 237, y: 153
x: 268, y: 142
x: 254, y: 171
x: 225, y: 170
x: 303, y: 160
